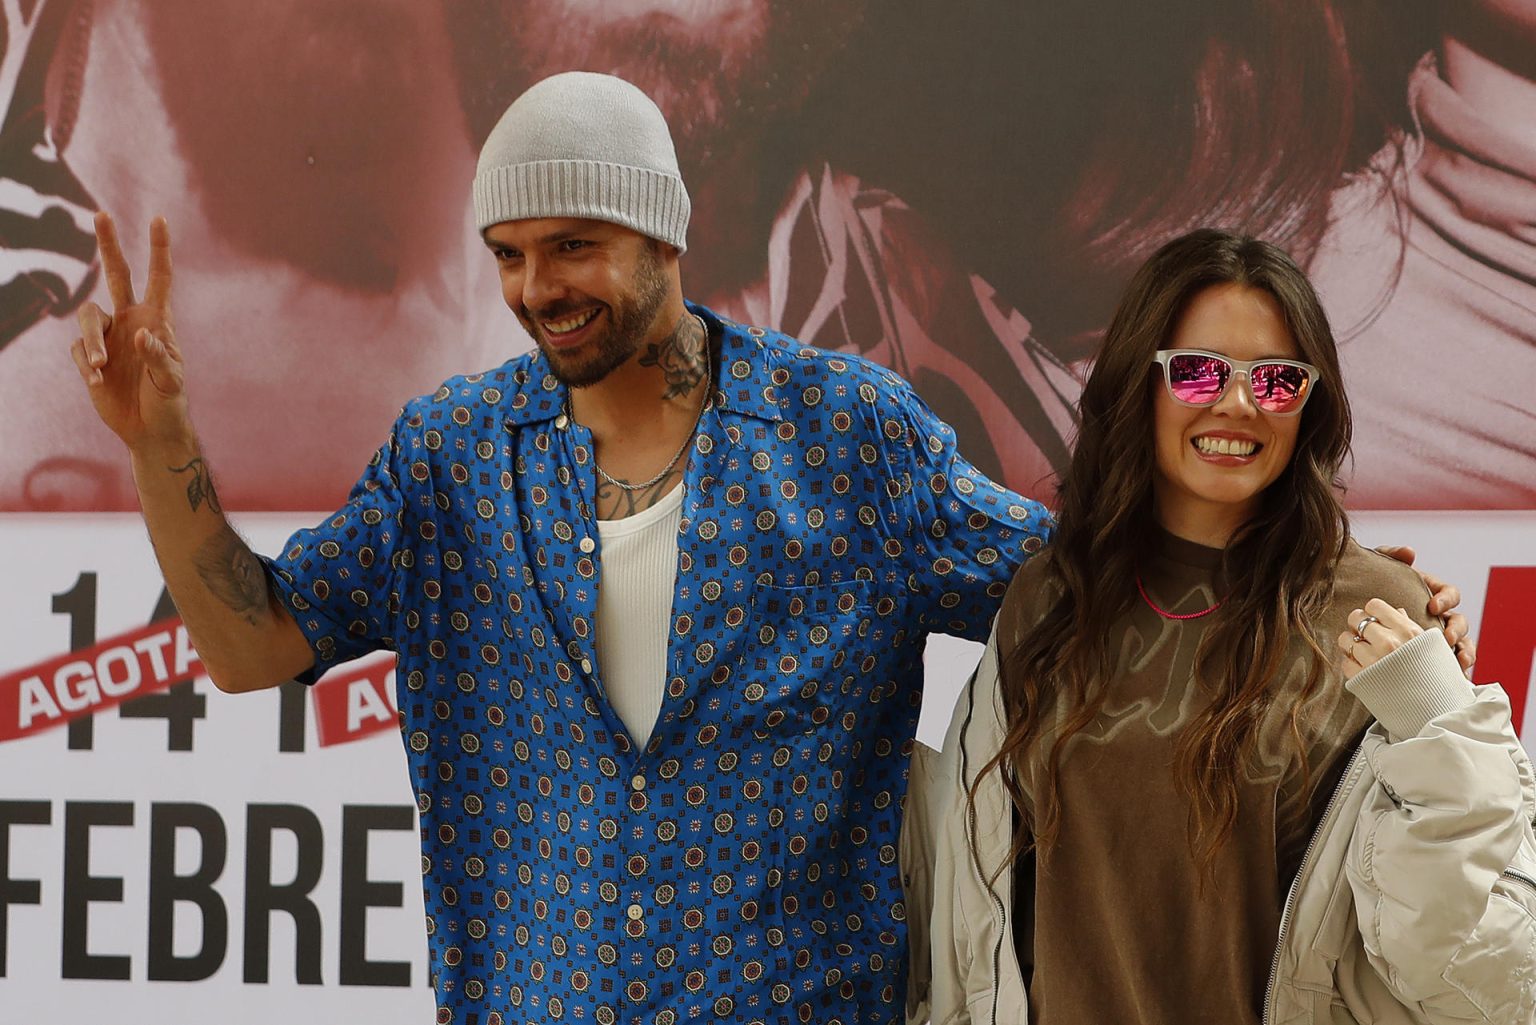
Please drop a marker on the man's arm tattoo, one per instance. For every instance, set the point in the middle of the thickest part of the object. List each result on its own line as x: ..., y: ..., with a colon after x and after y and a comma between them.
x: 200, y: 487
x: 234, y: 575
x: 683, y: 357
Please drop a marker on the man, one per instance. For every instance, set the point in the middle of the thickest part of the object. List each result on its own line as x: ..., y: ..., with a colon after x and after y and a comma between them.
x: 808, y: 227
x: 659, y: 592
x: 670, y: 788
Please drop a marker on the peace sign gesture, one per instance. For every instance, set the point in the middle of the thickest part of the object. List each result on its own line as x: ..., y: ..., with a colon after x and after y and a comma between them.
x: 129, y: 359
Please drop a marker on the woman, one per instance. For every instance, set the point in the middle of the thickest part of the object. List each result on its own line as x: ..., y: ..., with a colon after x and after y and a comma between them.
x: 1205, y: 720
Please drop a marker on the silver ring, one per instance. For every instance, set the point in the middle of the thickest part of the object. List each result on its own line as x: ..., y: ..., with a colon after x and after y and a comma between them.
x: 1360, y: 630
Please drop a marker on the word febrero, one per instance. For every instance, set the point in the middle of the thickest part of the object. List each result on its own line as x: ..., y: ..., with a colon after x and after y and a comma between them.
x: 200, y: 907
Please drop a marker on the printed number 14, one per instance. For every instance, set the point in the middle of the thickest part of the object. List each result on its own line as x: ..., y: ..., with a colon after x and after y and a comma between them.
x: 180, y: 706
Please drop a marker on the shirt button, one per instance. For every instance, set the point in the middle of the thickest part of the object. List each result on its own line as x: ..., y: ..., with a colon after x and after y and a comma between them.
x: 637, y: 783
x: 586, y: 665
x: 636, y: 912
x: 587, y: 545
x: 561, y: 421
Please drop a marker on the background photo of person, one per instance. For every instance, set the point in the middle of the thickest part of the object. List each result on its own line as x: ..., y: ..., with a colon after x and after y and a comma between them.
x: 1381, y: 143
x: 1009, y: 165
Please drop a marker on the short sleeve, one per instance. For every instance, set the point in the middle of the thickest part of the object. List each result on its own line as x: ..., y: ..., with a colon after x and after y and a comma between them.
x: 967, y: 535
x: 338, y: 578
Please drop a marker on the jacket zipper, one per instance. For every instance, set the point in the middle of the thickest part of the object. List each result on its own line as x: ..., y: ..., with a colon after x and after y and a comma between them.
x: 1346, y: 781
x: 1518, y: 876
x: 999, y: 911
x: 997, y: 948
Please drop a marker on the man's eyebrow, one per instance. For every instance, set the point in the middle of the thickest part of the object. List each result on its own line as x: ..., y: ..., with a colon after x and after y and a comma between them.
x: 565, y: 235
x: 553, y: 238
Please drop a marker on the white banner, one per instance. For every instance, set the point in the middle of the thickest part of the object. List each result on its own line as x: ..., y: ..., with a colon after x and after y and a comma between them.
x: 193, y: 856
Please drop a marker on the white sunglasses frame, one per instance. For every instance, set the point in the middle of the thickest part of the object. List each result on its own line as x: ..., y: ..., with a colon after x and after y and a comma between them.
x: 1239, y: 366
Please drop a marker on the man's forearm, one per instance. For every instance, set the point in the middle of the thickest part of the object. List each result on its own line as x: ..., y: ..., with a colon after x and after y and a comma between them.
x: 245, y: 637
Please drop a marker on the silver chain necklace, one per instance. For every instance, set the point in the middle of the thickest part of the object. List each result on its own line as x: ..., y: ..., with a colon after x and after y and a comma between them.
x: 703, y: 405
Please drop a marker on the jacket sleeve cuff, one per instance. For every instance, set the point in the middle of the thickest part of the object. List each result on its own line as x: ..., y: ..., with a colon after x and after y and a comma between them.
x: 1416, y: 683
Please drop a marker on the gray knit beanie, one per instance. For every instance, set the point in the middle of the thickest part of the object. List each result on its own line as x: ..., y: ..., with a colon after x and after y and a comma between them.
x: 583, y: 145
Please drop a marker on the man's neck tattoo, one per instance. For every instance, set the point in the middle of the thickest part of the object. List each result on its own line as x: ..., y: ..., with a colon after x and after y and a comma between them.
x: 683, y: 356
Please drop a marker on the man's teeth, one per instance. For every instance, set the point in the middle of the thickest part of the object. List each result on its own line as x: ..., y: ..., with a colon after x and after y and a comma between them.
x: 1226, y: 446
x: 569, y: 324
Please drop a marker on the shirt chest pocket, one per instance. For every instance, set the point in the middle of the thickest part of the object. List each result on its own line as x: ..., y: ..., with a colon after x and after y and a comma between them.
x: 801, y: 655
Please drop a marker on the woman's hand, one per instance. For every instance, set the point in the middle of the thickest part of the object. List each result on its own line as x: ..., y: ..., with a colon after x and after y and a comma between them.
x: 1375, y: 632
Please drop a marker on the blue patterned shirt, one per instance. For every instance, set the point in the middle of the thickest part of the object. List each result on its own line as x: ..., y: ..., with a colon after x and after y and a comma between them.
x: 742, y: 865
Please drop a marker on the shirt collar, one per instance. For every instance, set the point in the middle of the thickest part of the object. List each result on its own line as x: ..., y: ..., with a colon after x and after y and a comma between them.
x: 747, y: 379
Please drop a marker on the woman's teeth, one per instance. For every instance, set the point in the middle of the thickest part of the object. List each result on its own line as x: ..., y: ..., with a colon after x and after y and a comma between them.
x: 1226, y: 446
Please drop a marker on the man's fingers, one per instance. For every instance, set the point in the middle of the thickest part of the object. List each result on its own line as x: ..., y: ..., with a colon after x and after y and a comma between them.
x: 93, y: 333
x: 88, y: 373
x: 1458, y: 635
x: 1402, y: 553
x: 1443, y: 596
x: 164, y: 370
x: 113, y: 264
x: 157, y: 290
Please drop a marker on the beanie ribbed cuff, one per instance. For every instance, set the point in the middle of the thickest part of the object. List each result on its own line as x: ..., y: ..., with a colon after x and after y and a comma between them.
x: 650, y: 202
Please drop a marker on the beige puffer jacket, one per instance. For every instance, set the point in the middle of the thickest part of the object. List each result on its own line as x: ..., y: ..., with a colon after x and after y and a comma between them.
x: 1415, y: 903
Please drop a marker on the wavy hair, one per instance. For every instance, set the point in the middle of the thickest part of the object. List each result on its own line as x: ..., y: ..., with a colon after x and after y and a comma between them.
x: 1056, y: 673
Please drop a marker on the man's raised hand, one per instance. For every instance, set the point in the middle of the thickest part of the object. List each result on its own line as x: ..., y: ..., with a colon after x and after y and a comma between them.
x: 129, y: 359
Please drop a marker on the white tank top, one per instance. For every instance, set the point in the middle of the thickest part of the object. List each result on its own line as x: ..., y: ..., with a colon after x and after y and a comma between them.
x: 634, y: 610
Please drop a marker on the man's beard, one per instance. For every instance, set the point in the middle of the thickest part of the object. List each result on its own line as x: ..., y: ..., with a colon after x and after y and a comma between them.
x: 630, y: 318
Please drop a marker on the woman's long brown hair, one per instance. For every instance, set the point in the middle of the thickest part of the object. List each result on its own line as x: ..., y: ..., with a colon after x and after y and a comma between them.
x: 1056, y: 673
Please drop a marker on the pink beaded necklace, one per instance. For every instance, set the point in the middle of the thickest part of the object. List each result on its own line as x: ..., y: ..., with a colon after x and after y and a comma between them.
x: 1172, y: 615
